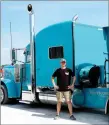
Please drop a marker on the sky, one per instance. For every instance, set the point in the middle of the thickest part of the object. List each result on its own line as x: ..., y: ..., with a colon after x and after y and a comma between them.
x: 46, y: 13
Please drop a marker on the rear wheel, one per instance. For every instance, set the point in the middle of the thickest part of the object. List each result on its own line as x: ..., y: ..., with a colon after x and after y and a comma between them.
x: 3, y: 95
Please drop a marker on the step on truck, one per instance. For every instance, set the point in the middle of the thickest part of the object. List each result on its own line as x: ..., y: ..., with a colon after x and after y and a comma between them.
x: 86, y: 49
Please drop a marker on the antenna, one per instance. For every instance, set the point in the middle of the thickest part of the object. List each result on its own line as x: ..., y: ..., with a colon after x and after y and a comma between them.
x: 11, y: 40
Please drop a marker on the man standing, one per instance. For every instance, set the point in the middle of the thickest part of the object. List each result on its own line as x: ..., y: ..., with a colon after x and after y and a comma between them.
x: 63, y: 87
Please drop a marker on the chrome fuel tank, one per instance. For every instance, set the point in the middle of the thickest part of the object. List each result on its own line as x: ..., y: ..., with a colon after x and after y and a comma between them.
x: 49, y: 98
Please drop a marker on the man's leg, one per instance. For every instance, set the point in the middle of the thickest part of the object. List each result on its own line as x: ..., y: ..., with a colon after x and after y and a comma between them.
x: 67, y: 96
x: 59, y: 96
x: 70, y: 107
x: 58, y: 107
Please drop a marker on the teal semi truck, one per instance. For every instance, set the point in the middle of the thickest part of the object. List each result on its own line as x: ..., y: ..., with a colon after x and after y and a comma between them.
x: 86, y: 49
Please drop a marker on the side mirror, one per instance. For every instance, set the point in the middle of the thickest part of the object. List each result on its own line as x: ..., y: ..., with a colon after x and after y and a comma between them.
x: 13, y: 53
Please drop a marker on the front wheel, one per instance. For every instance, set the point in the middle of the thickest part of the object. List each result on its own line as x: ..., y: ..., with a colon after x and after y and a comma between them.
x: 3, y: 95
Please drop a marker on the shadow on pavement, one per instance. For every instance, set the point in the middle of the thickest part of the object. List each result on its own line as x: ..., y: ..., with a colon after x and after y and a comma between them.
x: 25, y: 106
x: 88, y: 116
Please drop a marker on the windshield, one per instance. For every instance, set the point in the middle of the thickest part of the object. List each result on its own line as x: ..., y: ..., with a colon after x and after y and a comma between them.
x: 19, y: 56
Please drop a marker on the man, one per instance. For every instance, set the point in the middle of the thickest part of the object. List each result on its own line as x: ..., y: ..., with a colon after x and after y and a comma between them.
x: 63, y: 87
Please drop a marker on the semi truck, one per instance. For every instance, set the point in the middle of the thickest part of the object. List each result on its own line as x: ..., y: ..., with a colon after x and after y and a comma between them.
x: 86, y: 49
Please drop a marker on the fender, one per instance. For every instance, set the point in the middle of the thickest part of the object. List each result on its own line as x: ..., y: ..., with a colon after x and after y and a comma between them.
x: 11, y: 87
x: 75, y: 106
x: 106, y: 106
x: 77, y: 98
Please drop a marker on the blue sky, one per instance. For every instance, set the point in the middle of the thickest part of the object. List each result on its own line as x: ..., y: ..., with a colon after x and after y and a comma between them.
x: 46, y: 13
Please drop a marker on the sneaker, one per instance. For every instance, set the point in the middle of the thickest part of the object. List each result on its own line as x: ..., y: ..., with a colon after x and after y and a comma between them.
x: 72, y: 117
x: 56, y: 117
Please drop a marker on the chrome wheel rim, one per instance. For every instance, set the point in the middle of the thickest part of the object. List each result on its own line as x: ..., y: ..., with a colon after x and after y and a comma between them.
x: 1, y: 95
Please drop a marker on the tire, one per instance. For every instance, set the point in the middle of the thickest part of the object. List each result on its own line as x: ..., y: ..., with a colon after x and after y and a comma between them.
x: 3, y: 95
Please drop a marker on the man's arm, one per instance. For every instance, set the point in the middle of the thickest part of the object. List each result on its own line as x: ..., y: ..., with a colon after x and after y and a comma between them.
x: 53, y: 81
x: 74, y: 79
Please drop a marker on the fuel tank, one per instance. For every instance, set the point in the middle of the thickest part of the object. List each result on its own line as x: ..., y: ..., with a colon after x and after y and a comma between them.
x: 50, y: 98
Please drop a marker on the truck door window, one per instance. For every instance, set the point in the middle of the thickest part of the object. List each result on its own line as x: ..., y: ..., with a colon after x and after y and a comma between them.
x: 56, y: 52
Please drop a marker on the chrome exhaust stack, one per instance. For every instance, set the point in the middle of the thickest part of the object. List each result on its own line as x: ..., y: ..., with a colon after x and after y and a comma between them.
x: 32, y: 50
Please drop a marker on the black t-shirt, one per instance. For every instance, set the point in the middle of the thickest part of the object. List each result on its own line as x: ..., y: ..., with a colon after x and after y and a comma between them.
x: 63, y: 78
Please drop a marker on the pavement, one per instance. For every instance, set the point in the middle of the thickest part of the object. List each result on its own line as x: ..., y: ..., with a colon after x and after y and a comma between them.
x: 25, y: 113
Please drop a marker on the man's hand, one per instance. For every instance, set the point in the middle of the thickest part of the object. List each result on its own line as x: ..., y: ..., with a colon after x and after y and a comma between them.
x: 71, y: 87
x: 54, y: 84
x: 56, y: 87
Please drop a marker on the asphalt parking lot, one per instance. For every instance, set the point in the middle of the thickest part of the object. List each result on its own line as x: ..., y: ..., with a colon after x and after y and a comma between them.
x: 24, y: 113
